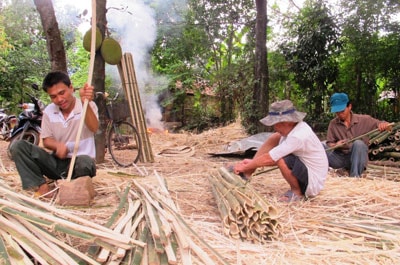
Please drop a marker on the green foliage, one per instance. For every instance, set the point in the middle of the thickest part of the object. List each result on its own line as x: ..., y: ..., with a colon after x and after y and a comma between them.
x: 312, y: 53
x: 27, y: 60
x: 5, y: 46
x: 203, y: 115
x: 78, y: 62
x: 210, y: 45
x: 370, y: 59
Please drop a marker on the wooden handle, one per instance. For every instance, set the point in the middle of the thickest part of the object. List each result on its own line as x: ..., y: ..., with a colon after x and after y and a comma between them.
x: 86, y: 102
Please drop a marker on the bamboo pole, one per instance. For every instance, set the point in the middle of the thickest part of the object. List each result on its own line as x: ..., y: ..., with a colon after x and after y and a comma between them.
x: 122, y: 203
x: 44, y: 234
x: 176, y: 220
x: 16, y: 255
x: 56, y: 211
x: 48, y: 245
x: 128, y: 76
x: 86, y: 102
x: 380, y: 138
x: 3, y: 250
x: 357, y: 138
x: 138, y: 254
x: 28, y: 242
x: 59, y: 223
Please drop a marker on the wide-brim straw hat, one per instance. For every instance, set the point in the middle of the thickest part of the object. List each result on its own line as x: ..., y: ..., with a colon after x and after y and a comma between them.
x: 282, y: 111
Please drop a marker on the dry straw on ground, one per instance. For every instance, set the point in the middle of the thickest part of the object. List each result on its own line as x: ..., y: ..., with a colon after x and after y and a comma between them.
x: 352, y: 221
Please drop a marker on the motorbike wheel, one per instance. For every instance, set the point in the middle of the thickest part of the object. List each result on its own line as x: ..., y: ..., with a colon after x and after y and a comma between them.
x: 31, y: 136
x: 4, y: 130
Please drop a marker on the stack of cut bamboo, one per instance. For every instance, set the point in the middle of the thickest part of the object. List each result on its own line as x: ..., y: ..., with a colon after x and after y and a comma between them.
x: 28, y: 230
x: 145, y: 229
x: 245, y: 214
x: 385, y: 146
x: 127, y: 73
x: 151, y: 216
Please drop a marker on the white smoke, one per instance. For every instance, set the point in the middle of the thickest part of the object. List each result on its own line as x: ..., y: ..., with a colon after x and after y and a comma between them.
x: 133, y: 24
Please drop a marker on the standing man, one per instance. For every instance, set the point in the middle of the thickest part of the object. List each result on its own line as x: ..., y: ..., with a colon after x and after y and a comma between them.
x: 294, y: 148
x: 60, y: 125
x: 345, y: 126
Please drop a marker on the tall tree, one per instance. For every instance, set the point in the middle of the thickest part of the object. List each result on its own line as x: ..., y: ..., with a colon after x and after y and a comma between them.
x: 260, y: 93
x: 212, y: 47
x: 312, y: 53
x: 98, y: 81
x: 225, y: 23
x: 55, y: 45
x: 365, y: 24
x: 5, y: 46
x: 27, y: 60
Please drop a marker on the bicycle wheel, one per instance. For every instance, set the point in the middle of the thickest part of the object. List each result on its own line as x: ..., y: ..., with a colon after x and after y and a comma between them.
x: 124, y: 143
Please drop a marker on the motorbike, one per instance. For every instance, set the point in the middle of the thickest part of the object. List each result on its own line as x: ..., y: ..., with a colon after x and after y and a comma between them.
x: 7, y: 123
x: 29, y: 123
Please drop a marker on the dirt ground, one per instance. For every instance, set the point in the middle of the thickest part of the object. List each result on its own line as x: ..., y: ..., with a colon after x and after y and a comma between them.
x: 352, y: 221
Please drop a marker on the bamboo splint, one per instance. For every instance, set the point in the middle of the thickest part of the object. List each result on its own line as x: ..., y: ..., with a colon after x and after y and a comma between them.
x: 128, y: 76
x: 245, y: 215
x: 150, y: 216
x: 40, y: 230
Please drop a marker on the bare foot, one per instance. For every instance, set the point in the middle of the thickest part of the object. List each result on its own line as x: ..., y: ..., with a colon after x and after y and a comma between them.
x: 44, y: 191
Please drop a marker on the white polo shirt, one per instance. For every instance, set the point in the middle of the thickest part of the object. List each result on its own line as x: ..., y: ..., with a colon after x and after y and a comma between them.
x: 304, y: 143
x: 54, y: 125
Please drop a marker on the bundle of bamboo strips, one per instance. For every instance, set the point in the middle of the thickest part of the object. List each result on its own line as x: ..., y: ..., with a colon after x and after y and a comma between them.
x: 128, y: 76
x: 385, y: 146
x: 245, y: 214
x: 30, y: 229
x: 152, y: 217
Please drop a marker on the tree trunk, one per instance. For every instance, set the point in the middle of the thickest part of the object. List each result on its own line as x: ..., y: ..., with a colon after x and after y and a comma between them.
x: 98, y: 82
x: 260, y: 92
x: 55, y: 45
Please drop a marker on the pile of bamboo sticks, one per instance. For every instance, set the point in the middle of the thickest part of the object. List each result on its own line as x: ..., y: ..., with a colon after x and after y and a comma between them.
x: 151, y: 216
x: 127, y: 73
x: 245, y: 214
x: 146, y: 228
x: 28, y: 230
x: 385, y: 146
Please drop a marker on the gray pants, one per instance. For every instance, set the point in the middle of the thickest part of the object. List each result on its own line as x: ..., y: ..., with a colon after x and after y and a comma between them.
x: 33, y: 163
x: 355, y: 161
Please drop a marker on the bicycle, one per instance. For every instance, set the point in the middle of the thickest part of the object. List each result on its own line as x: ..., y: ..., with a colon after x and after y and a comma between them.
x: 122, y: 138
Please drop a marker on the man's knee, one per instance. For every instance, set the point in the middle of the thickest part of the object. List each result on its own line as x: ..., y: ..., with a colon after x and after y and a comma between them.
x: 359, y: 145
x: 85, y: 166
x: 17, y: 146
